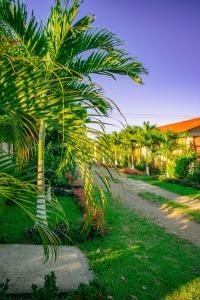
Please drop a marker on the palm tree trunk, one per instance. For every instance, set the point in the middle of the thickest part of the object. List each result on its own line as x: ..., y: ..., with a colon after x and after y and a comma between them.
x: 41, y: 198
x: 147, y: 165
x: 116, y: 158
x: 147, y: 169
x: 140, y: 154
x: 132, y: 161
x: 167, y: 169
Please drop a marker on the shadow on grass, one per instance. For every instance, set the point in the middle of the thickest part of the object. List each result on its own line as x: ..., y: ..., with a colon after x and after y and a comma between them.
x: 139, y: 258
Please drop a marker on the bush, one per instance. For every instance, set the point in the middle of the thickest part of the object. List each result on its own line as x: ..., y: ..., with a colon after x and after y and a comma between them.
x: 60, y: 230
x: 184, y: 182
x: 154, y: 170
x: 88, y: 292
x: 195, y: 177
x: 3, y: 289
x: 50, y: 291
x: 140, y: 166
x: 182, y: 165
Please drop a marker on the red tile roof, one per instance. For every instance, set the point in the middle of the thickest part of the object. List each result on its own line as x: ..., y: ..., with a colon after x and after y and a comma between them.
x: 182, y: 126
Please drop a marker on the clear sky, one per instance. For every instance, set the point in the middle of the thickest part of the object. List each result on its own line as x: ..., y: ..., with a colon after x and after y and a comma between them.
x: 165, y: 36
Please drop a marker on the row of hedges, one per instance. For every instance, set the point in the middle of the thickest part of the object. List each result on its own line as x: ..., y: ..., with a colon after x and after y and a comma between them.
x: 184, y: 182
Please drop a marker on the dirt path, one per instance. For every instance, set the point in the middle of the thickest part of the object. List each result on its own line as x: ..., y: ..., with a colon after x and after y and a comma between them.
x: 127, y: 190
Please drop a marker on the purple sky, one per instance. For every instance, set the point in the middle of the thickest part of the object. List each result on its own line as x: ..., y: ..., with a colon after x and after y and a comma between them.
x: 165, y: 36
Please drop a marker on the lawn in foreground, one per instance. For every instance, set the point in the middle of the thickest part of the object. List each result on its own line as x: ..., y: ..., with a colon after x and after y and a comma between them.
x: 136, y: 258
x: 139, y: 258
x: 172, y: 187
x: 14, y: 221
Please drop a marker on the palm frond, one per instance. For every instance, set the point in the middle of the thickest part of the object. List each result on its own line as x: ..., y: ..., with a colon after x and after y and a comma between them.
x: 91, y: 39
x: 109, y: 64
x: 14, y: 23
x: 20, y: 130
x: 60, y: 28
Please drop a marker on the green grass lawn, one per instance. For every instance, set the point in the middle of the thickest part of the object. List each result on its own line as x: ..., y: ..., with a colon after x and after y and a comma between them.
x: 14, y: 221
x: 136, y: 258
x: 140, y: 258
x: 172, y: 187
x: 179, y: 207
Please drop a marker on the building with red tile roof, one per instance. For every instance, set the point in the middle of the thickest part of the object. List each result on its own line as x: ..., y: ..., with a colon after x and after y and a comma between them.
x: 192, y: 126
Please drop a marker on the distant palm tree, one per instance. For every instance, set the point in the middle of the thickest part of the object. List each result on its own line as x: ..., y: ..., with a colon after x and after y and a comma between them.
x: 169, y: 146
x: 149, y: 138
x: 129, y: 141
x: 115, y: 142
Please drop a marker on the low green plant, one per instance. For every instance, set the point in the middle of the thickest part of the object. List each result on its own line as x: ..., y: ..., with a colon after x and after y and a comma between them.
x: 88, y: 292
x: 4, y: 289
x: 194, y: 177
x: 189, y: 181
x: 154, y: 170
x: 48, y: 292
x: 140, y: 166
x: 182, y: 165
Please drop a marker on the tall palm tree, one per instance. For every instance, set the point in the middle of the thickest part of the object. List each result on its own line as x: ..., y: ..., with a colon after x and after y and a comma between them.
x: 129, y: 138
x: 18, y: 127
x: 169, y: 146
x: 115, y: 142
x: 149, y: 138
x: 58, y: 49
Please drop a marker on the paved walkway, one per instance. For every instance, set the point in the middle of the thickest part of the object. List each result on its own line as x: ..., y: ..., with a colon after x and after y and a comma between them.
x: 127, y: 190
x: 23, y: 265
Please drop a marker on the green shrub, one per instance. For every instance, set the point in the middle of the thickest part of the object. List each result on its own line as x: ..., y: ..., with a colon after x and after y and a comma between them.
x: 88, y: 292
x: 182, y: 165
x: 48, y: 292
x: 154, y: 170
x: 140, y: 166
x: 184, y: 182
x: 3, y: 289
x: 195, y: 176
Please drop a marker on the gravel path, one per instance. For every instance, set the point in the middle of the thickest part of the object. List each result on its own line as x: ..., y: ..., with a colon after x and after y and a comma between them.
x: 127, y: 190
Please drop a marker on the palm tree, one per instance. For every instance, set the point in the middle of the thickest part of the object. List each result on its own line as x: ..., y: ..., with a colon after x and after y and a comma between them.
x: 18, y: 127
x: 115, y: 142
x: 57, y: 49
x: 149, y: 138
x: 169, y: 146
x: 129, y: 139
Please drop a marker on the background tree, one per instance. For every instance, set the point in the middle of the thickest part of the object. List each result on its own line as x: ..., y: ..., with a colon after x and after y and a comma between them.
x: 129, y: 140
x: 169, y: 147
x: 149, y: 138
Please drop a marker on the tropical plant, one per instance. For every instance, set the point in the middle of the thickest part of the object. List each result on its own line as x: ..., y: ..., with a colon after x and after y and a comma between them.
x: 129, y: 141
x: 183, y: 163
x: 149, y: 139
x: 65, y: 95
x: 170, y: 146
x: 115, y: 141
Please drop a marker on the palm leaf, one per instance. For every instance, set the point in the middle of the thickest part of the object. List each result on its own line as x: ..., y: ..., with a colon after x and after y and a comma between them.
x: 103, y: 63
x: 15, y: 24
